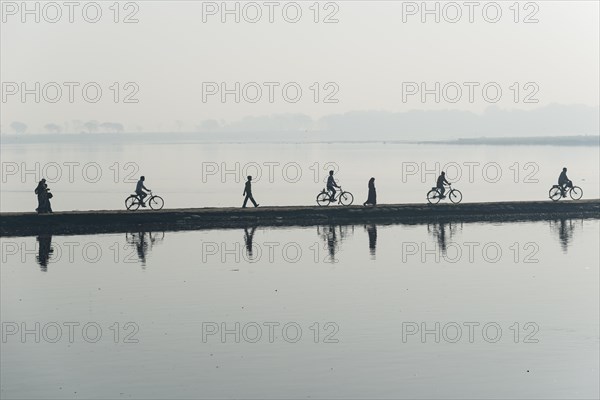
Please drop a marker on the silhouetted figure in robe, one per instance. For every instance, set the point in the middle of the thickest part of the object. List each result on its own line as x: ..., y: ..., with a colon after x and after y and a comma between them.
x: 43, y: 197
x: 372, y: 197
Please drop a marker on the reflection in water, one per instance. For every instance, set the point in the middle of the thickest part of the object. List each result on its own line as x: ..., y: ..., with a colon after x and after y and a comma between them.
x: 248, y: 239
x: 333, y: 236
x: 565, y: 229
x: 443, y: 232
x: 143, y: 242
x: 372, y: 232
x: 44, y: 251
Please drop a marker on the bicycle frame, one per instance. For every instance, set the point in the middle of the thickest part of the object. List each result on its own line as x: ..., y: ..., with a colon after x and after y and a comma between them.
x: 148, y: 197
x: 329, y: 193
x: 446, y: 192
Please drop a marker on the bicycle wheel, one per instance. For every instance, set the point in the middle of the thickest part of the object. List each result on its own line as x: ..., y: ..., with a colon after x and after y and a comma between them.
x: 156, y: 202
x: 455, y: 196
x: 346, y: 198
x: 555, y: 193
x: 132, y: 203
x: 433, y: 197
x: 323, y: 199
x: 576, y: 193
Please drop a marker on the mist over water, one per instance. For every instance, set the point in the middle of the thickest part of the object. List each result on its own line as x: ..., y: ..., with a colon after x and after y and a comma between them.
x: 100, y: 176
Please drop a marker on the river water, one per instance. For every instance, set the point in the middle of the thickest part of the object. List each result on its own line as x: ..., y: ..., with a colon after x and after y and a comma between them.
x: 471, y: 310
x: 85, y: 175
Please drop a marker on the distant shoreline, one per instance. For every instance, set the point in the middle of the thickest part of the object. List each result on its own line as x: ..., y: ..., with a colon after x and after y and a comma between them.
x: 280, y: 138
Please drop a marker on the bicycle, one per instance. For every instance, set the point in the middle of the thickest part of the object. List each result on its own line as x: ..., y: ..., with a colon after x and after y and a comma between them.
x: 556, y: 192
x: 344, y: 198
x: 435, y: 195
x: 133, y: 202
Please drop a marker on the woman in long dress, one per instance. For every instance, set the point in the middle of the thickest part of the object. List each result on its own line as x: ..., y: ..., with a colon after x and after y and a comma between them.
x: 43, y: 199
x: 372, y: 198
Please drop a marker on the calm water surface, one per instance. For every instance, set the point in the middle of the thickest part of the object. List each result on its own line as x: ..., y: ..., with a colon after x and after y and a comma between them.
x: 100, y: 176
x: 321, y: 312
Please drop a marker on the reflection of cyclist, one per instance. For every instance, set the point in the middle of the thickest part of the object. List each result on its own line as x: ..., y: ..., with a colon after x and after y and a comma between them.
x: 331, y: 185
x: 564, y: 182
x: 440, y: 184
x: 139, y: 190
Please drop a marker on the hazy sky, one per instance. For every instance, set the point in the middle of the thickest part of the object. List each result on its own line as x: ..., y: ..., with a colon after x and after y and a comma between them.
x: 366, y: 56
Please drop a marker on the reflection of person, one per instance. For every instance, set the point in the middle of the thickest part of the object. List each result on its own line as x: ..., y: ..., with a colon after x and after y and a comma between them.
x: 43, y: 197
x: 143, y: 243
x: 142, y: 247
x: 332, y: 243
x: 565, y: 233
x: 139, y: 190
x: 372, y: 197
x: 372, y: 232
x: 248, y: 193
x: 441, y: 236
x: 442, y: 233
x: 248, y: 238
x: 44, y: 251
x: 139, y: 240
x: 332, y: 240
x: 564, y: 182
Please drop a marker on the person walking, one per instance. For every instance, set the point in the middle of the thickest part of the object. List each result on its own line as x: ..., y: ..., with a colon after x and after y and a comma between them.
x: 248, y: 193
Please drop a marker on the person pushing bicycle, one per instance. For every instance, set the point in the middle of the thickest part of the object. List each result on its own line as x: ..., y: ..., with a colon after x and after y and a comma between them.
x: 139, y: 190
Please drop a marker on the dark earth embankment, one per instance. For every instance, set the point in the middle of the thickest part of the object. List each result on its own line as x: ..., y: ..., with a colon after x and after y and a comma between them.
x: 93, y: 222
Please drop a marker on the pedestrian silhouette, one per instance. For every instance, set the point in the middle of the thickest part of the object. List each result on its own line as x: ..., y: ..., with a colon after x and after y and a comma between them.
x: 43, y: 195
x: 248, y: 193
x: 372, y: 197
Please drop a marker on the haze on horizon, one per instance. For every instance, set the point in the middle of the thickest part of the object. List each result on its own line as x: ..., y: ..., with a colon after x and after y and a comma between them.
x: 363, y: 65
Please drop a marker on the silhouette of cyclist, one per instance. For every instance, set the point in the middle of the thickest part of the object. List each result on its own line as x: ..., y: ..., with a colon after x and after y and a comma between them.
x: 440, y: 184
x: 564, y: 182
x: 331, y: 185
x: 139, y: 190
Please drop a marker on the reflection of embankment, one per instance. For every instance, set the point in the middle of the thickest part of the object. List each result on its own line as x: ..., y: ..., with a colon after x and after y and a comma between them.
x: 28, y: 224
